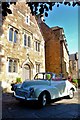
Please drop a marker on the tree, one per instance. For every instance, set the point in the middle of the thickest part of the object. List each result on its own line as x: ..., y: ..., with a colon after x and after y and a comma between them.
x: 37, y: 7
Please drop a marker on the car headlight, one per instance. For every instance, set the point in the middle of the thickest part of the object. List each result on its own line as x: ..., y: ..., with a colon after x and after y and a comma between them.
x: 31, y: 89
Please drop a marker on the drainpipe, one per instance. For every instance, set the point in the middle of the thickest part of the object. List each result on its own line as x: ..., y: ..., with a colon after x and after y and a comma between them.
x: 61, y: 52
x: 61, y: 42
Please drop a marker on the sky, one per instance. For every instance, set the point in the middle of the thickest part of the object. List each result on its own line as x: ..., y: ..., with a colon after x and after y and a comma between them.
x: 67, y: 18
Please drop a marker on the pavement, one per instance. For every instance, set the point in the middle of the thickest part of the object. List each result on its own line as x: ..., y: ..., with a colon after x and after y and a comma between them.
x: 59, y: 109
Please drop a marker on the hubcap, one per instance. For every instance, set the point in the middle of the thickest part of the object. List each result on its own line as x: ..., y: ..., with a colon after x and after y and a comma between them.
x: 71, y: 93
x: 44, y: 100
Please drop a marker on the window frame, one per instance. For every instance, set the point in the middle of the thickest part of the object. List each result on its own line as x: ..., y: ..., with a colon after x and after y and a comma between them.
x: 15, y: 66
x: 14, y: 30
x: 11, y: 66
x: 15, y: 40
x: 25, y: 40
x: 11, y: 34
x: 37, y: 46
x: 29, y: 41
x: 37, y: 67
x: 27, y: 19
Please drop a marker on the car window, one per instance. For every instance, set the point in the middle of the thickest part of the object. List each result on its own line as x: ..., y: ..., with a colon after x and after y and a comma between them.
x: 38, y: 76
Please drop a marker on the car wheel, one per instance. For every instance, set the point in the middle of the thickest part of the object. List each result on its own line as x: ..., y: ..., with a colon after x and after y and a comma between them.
x: 71, y: 94
x: 42, y: 100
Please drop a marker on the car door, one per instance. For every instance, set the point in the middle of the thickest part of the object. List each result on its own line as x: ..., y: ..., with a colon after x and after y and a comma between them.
x: 60, y: 86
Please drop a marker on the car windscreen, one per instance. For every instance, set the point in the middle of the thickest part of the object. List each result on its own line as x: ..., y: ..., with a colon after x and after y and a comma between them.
x: 42, y: 76
x: 58, y: 77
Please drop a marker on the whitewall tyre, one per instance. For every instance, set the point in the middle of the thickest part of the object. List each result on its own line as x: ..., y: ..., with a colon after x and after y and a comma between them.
x: 71, y: 94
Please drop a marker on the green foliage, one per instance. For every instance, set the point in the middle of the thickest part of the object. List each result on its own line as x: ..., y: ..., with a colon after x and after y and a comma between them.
x: 75, y: 81
x: 37, y: 7
x: 18, y: 80
x: 48, y: 76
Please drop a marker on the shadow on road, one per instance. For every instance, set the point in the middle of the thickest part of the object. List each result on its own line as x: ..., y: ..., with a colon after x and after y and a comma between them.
x: 7, y: 98
x: 11, y: 108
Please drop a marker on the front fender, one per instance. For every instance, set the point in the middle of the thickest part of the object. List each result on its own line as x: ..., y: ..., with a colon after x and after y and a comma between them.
x: 38, y: 91
x: 53, y: 91
x: 14, y: 86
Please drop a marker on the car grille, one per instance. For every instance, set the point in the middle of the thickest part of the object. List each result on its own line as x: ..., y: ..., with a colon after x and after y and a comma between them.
x: 21, y: 93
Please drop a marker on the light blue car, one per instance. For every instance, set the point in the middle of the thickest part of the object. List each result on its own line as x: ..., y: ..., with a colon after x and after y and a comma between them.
x: 43, y: 88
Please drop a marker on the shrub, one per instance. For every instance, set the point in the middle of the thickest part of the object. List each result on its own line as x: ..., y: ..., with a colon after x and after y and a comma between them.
x: 18, y: 80
x: 75, y: 81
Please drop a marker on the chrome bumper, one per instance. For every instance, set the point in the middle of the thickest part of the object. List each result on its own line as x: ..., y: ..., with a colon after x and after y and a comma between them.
x: 24, y: 98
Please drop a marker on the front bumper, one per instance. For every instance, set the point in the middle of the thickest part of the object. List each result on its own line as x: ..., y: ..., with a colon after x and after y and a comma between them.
x: 24, y: 98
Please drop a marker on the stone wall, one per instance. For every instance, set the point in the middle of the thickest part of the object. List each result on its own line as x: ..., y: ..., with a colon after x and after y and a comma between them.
x: 27, y: 55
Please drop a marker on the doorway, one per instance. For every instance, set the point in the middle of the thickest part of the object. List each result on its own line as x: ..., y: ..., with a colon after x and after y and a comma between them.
x: 26, y: 72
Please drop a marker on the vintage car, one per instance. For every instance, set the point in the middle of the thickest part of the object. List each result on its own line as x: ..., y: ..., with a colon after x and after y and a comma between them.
x: 43, y: 88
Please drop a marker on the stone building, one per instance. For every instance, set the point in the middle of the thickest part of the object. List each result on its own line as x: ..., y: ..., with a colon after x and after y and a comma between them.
x: 73, y: 61
x: 56, y: 50
x: 21, y: 45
